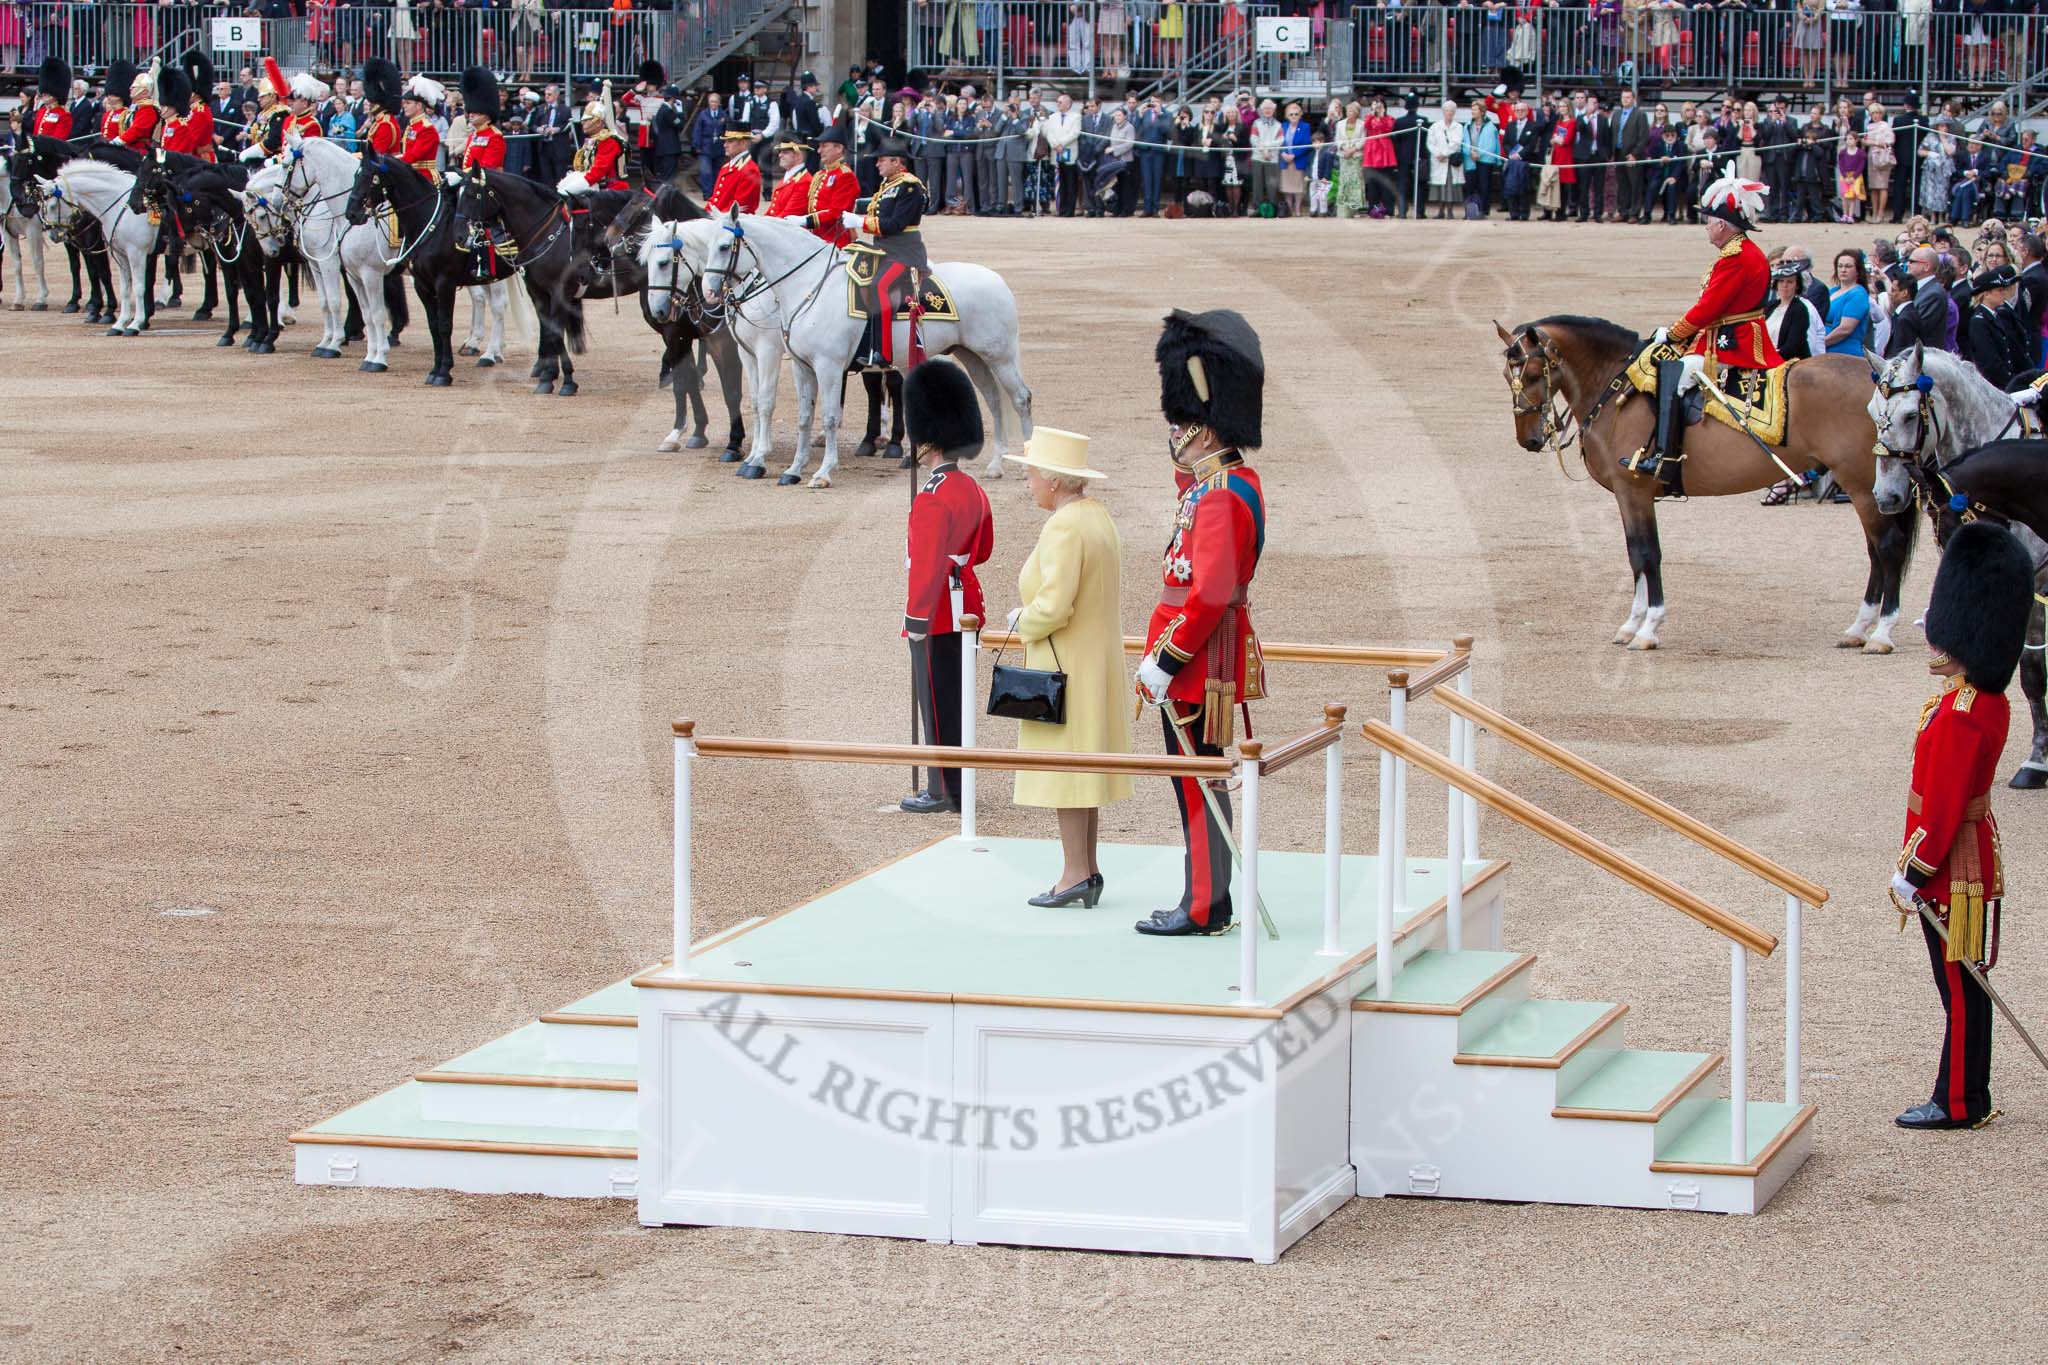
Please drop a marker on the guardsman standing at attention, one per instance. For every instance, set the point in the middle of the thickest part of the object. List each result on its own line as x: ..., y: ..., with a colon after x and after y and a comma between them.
x: 482, y: 106
x: 382, y: 135
x: 53, y: 87
x: 793, y: 191
x: 600, y: 163
x: 889, y: 270
x: 114, y: 103
x: 739, y: 179
x: 420, y: 147
x: 951, y: 531
x: 1951, y: 863
x: 833, y: 187
x: 1202, y: 659
x: 139, y: 121
x: 1724, y: 327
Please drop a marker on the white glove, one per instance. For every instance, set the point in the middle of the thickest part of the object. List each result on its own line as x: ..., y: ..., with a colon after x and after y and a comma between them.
x: 2027, y: 397
x: 1153, y: 681
x: 1663, y: 336
x: 916, y: 639
x: 853, y: 220
x: 1016, y: 615
x: 252, y: 153
x: 1904, y: 889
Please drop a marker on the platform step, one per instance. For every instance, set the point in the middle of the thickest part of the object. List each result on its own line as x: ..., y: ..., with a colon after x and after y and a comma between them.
x: 520, y: 1078
x: 1638, y: 1085
x: 612, y: 1005
x: 1702, y: 1149
x: 1541, y: 1033
x: 1437, y: 981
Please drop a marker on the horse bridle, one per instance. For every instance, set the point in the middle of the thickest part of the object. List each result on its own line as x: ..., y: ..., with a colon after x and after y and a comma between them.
x: 1559, y: 431
x: 1931, y: 484
x: 376, y: 178
x: 480, y: 185
x: 695, y: 308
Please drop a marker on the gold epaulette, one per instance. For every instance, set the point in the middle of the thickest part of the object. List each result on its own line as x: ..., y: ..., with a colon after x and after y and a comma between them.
x: 1966, y: 697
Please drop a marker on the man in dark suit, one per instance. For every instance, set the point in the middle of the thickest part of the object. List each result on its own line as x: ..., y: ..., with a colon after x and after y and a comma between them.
x: 550, y: 121
x: 1775, y: 134
x: 1407, y: 133
x: 2032, y: 304
x: 805, y: 120
x: 1919, y: 306
x: 85, y: 111
x: 664, y: 138
x: 1519, y: 142
x: 1631, y: 145
x: 1593, y: 141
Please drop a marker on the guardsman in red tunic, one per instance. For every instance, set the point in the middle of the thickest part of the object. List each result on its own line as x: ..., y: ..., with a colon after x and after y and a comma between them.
x: 481, y: 103
x: 1202, y: 659
x: 739, y: 179
x: 381, y: 134
x: 600, y: 163
x: 306, y: 91
x: 113, y: 103
x: 1976, y: 628
x: 793, y: 191
x: 832, y: 190
x: 53, y: 87
x: 1724, y: 327
x: 142, y: 117
x: 421, y: 143
x: 951, y: 531
x: 188, y: 123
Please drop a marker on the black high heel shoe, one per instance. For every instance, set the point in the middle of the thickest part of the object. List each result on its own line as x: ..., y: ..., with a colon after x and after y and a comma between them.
x: 1087, y: 891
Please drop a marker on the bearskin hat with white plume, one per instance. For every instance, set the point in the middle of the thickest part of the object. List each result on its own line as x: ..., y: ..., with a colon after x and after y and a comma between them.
x: 1983, y: 595
x: 480, y: 93
x: 939, y: 409
x: 382, y: 83
x: 53, y: 78
x: 1213, y: 373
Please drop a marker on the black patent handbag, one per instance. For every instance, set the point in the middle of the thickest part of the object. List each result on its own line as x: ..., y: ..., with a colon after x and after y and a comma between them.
x: 1028, y: 693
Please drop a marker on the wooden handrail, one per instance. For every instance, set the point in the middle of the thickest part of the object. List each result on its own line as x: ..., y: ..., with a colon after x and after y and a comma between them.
x: 1572, y: 839
x: 1456, y: 661
x: 1302, y: 745
x: 941, y: 756
x: 1707, y: 837
x: 1279, y: 651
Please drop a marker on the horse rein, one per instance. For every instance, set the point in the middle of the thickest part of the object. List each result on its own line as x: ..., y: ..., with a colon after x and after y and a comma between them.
x: 691, y: 296
x: 497, y: 209
x: 1559, y: 431
x: 1930, y: 477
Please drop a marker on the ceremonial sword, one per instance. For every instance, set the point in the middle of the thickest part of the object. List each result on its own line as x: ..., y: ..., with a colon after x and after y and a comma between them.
x: 1187, y: 750
x: 1927, y: 913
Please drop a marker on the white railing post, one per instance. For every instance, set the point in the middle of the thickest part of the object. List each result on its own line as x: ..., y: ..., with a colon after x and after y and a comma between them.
x: 1249, y: 926
x: 1467, y: 758
x: 1738, y: 1054
x: 1390, y: 835
x: 1333, y: 836
x: 1454, y: 854
x: 1397, y: 718
x: 970, y: 672
x: 686, y: 750
x: 1794, y: 910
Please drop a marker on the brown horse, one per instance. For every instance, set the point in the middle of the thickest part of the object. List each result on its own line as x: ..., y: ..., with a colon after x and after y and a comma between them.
x: 1574, y: 359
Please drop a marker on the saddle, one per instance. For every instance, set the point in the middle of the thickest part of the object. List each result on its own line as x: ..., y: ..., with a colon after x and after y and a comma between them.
x: 1754, y: 401
x: 864, y: 266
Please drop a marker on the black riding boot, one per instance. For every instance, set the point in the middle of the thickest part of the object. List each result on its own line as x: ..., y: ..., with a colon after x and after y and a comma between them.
x: 1664, y: 455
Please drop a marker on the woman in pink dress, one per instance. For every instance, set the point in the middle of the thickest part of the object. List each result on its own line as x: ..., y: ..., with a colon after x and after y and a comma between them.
x: 1379, y: 160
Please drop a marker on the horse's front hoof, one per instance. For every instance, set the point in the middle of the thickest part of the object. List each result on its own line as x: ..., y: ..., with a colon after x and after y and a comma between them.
x: 669, y: 444
x: 71, y: 307
x: 545, y: 386
x: 114, y: 332
x: 17, y: 308
x: 750, y: 471
x: 326, y: 353
x: 485, y: 362
x: 786, y: 480
x: 1643, y: 642
x: 535, y: 372
x: 1850, y: 641
x: 865, y: 449
x: 467, y: 349
x: 2029, y: 779
x: 569, y: 389
x: 372, y: 367
x: 439, y: 381
x: 696, y: 443
x: 820, y: 481
x: 225, y: 341
x: 265, y: 348
x: 203, y: 315
x: 39, y: 308
x: 729, y: 457
x: 1877, y: 646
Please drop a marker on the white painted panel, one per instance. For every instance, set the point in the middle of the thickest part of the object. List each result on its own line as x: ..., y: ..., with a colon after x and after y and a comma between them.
x: 530, y: 1106
x: 600, y: 1045
x: 576, y: 1177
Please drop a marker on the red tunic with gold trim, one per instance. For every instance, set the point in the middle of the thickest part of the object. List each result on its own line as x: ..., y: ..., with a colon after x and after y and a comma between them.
x: 792, y: 196
x: 602, y: 161
x: 383, y: 135
x: 1951, y: 850
x: 1200, y: 633
x: 738, y: 184
x: 307, y: 125
x: 421, y: 143
x: 138, y: 125
x: 191, y: 133
x: 833, y: 190
x: 1728, y: 321
x: 486, y: 149
x: 110, y: 124
x: 951, y: 531
x: 52, y: 120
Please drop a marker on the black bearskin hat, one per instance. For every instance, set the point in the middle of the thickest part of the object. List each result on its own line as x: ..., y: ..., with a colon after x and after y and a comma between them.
x: 653, y: 74
x: 1211, y: 372
x: 53, y: 78
x: 939, y: 409
x: 382, y: 85
x: 174, y: 89
x: 199, y: 70
x: 120, y: 79
x: 480, y: 92
x: 1983, y: 595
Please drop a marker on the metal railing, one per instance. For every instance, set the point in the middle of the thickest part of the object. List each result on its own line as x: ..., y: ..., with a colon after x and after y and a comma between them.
x: 1183, y: 50
x: 574, y: 45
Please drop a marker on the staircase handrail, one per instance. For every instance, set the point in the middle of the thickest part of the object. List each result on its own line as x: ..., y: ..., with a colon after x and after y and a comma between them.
x: 1572, y: 839
x: 1626, y: 792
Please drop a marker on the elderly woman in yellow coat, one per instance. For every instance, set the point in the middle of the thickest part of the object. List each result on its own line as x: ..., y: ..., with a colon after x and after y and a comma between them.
x: 1072, y: 587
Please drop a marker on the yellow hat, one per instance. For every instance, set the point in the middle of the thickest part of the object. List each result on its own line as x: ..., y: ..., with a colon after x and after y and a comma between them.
x: 1063, y: 454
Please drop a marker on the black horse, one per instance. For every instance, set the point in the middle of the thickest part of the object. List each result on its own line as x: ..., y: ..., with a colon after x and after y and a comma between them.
x: 432, y: 247
x: 2003, y: 481
x: 199, y: 204
x: 496, y: 206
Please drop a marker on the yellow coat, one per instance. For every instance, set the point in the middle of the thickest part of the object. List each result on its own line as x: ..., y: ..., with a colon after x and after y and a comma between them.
x: 1072, y: 588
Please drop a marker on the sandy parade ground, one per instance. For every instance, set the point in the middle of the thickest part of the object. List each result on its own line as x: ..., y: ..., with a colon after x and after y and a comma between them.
x: 335, y: 714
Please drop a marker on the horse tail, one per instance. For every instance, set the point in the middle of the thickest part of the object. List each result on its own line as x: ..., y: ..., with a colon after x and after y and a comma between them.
x: 525, y: 326
x: 572, y: 327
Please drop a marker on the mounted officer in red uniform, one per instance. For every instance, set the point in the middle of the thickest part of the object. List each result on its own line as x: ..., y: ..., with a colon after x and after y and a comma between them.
x: 381, y: 133
x: 1202, y: 659
x: 888, y: 271
x: 188, y: 122
x: 793, y: 191
x: 114, y: 103
x: 833, y: 188
x: 482, y: 105
x: 951, y: 531
x: 53, y: 88
x: 739, y: 179
x: 420, y: 145
x: 1724, y: 328
x: 600, y: 163
x: 139, y: 121
x: 1951, y: 862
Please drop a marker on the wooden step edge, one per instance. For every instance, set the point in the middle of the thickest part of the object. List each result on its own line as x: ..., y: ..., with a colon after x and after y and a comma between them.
x: 1657, y: 1111
x: 594, y: 1020
x: 1471, y: 997
x: 535, y: 1082
x: 1754, y: 1168
x: 1563, y: 1054
x: 462, y: 1145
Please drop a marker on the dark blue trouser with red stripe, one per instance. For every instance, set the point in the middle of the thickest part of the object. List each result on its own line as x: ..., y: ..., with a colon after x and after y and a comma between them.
x: 935, y: 679
x: 1962, y: 1083
x: 1205, y: 866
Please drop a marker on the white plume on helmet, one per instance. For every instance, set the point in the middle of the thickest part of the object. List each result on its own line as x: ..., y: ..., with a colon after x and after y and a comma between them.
x: 600, y: 109
x: 306, y: 86
x: 428, y: 91
x: 1733, y: 194
x: 144, y: 84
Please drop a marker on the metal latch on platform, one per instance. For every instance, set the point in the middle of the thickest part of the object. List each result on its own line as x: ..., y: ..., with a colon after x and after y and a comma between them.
x: 1424, y: 1179
x: 625, y: 1184
x: 1685, y: 1194
x: 341, y: 1170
